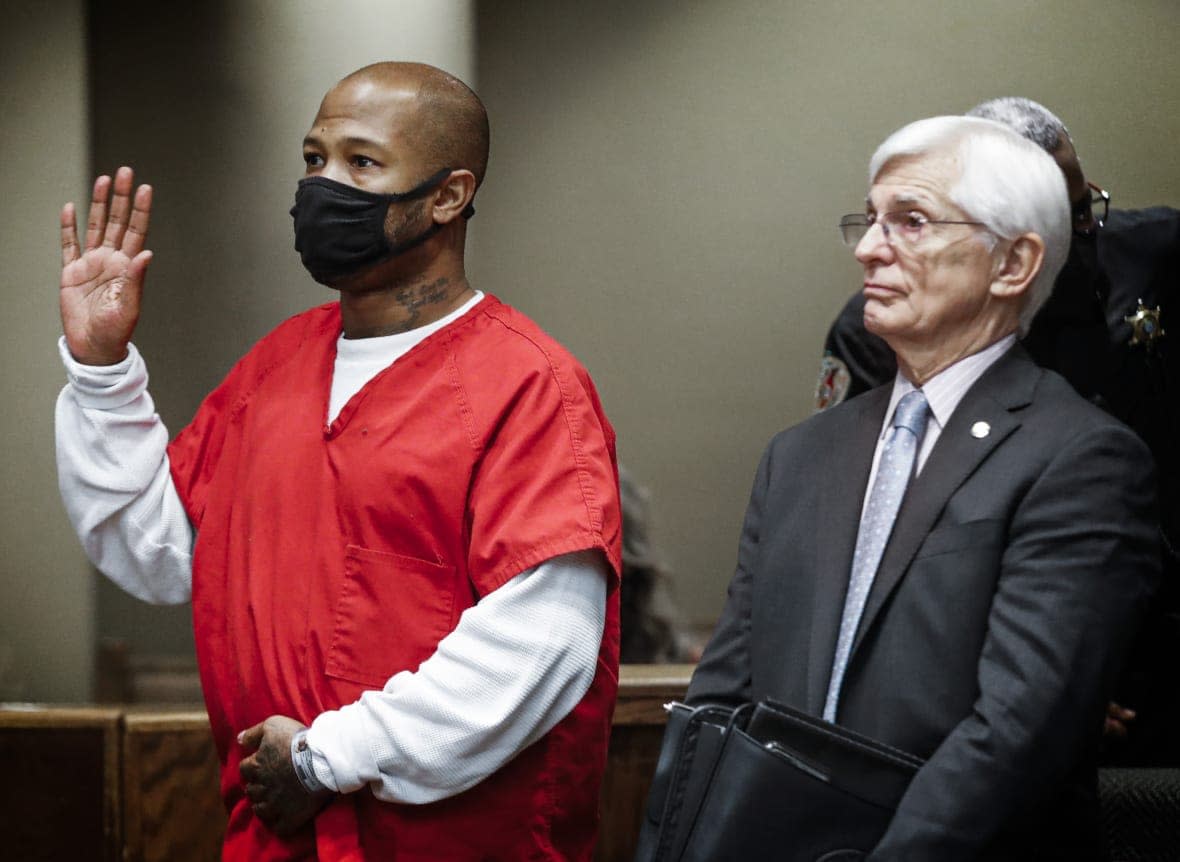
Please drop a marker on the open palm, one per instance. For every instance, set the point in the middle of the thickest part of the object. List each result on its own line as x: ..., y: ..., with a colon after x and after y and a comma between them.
x: 102, y: 283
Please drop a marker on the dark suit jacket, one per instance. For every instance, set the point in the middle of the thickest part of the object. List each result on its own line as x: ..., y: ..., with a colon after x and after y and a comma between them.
x: 1018, y: 565
x: 1081, y: 332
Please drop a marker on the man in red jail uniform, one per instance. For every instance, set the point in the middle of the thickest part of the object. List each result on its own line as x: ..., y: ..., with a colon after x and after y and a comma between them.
x: 397, y: 518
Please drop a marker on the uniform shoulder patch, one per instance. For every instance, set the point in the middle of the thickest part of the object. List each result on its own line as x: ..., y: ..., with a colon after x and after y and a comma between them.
x: 832, y: 386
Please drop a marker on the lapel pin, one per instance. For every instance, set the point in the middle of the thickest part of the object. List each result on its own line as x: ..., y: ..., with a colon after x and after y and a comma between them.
x: 980, y: 430
x: 1145, y: 326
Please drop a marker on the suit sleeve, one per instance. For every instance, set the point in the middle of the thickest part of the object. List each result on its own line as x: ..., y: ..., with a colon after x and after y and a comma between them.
x: 723, y: 673
x: 1080, y: 563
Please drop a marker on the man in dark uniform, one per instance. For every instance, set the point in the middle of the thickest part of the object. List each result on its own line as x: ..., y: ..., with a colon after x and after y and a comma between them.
x: 1104, y: 329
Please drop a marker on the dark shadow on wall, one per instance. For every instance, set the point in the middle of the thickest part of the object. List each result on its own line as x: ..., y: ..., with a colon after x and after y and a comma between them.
x: 158, y: 78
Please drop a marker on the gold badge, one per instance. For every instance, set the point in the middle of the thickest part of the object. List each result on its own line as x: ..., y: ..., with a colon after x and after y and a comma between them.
x: 1145, y: 325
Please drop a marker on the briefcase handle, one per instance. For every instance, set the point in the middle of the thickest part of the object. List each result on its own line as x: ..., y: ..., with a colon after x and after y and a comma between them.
x: 693, y: 739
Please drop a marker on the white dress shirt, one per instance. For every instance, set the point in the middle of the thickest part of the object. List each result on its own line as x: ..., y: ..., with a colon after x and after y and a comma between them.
x: 943, y: 393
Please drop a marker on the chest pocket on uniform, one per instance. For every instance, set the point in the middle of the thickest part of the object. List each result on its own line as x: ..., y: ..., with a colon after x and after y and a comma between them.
x: 390, y: 615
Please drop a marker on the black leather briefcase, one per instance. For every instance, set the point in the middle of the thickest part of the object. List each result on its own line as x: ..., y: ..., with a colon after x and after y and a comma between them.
x: 768, y: 782
x: 693, y: 739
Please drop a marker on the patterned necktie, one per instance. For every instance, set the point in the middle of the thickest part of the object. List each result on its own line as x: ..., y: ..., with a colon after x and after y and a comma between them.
x: 893, y: 474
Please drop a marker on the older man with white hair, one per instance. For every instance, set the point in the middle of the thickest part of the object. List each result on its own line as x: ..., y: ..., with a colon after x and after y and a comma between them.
x: 951, y: 563
x: 1107, y: 329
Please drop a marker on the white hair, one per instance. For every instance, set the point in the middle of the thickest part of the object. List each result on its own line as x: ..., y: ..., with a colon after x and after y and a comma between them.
x: 1006, y: 182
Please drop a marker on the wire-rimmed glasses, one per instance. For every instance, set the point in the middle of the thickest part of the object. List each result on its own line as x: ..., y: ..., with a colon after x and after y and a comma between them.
x: 903, y: 226
x: 1085, y: 213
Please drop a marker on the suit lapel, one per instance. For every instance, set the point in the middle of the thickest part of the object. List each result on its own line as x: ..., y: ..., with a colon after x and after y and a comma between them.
x: 1003, y: 389
x: 852, y: 443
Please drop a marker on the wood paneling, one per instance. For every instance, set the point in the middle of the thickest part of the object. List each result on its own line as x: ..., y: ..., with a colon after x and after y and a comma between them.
x: 171, y: 805
x: 60, y: 794
x: 141, y: 783
x: 634, y: 747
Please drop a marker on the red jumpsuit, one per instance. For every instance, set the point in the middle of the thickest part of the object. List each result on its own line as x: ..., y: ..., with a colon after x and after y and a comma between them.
x: 330, y: 557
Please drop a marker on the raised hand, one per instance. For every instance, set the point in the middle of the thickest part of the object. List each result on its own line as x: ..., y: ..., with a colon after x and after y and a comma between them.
x: 101, y: 285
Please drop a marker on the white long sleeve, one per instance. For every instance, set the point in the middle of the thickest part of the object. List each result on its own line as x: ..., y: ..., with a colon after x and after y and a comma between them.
x: 112, y: 471
x: 515, y: 665
x: 518, y: 662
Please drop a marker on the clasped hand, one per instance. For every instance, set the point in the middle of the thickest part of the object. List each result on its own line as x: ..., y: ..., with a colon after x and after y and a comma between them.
x: 278, y: 798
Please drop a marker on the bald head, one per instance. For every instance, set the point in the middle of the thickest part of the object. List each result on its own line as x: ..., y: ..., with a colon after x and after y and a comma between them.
x: 441, y: 118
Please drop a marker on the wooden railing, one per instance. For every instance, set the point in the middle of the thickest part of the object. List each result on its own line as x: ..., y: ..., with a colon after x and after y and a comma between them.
x: 634, y: 747
x: 140, y: 783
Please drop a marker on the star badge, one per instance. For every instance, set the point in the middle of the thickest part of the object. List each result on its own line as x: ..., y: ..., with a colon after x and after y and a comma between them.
x: 1145, y: 326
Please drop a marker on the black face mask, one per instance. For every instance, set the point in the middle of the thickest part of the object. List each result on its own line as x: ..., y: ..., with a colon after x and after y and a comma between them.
x: 340, y: 229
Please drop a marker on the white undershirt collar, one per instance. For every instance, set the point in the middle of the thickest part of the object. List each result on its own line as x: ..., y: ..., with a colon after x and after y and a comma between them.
x: 359, y: 360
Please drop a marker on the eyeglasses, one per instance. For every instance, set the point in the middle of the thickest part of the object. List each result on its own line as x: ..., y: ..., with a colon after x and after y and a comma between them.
x: 1085, y: 212
x: 901, y: 228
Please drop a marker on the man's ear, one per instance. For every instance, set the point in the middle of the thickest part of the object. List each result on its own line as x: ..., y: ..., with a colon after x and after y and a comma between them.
x: 453, y: 196
x: 1019, y: 265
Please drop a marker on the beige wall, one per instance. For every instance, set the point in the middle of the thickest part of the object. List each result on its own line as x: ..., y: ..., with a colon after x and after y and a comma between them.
x: 46, y: 591
x: 664, y: 182
x: 666, y: 178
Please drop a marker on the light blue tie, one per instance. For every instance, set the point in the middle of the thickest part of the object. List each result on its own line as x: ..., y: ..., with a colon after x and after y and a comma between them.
x: 893, y: 474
